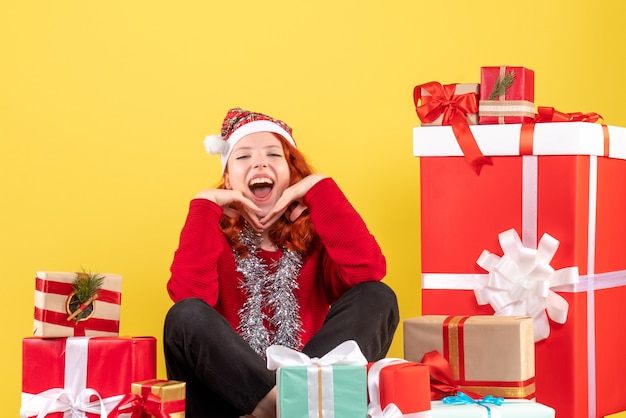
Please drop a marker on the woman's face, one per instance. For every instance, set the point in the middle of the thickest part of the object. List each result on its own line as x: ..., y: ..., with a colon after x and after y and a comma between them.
x: 257, y: 168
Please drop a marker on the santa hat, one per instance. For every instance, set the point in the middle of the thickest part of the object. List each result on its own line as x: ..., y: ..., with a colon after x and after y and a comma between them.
x: 239, y: 123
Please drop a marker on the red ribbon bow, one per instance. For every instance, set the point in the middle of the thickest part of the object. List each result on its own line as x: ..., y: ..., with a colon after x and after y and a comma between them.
x: 550, y: 114
x: 454, y: 108
x: 147, y: 405
x: 442, y: 383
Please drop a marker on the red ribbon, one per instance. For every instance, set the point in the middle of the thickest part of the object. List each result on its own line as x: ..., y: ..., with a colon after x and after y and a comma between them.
x: 550, y: 114
x: 61, y: 288
x: 91, y: 324
x: 454, y: 108
x: 146, y: 405
x: 442, y: 383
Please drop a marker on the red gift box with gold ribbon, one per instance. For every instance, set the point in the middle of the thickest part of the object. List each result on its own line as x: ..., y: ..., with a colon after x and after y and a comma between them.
x: 54, y: 318
x: 487, y: 355
x: 82, y: 375
x: 507, y: 95
x: 558, y: 181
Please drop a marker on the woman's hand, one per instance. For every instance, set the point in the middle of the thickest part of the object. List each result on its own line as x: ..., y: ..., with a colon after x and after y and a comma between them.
x: 234, y: 204
x: 293, y: 193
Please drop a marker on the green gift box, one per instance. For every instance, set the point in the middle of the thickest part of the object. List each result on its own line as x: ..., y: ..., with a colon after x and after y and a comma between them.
x: 322, y: 391
x: 332, y: 386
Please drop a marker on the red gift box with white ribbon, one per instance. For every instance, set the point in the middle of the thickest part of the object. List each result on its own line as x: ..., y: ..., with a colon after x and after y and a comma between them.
x: 82, y: 375
x: 398, y: 388
x: 551, y: 202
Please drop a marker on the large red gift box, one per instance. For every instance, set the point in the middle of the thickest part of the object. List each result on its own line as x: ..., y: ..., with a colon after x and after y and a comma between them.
x: 567, y: 182
x: 87, y: 374
x: 516, y: 104
x: 400, y: 386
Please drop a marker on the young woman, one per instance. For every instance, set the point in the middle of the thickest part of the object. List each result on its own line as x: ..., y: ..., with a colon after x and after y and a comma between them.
x: 274, y: 255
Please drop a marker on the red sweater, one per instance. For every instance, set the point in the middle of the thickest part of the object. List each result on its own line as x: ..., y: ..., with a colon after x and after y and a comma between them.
x: 204, y: 266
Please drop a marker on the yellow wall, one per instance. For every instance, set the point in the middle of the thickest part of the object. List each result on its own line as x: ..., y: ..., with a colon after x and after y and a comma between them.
x: 104, y: 105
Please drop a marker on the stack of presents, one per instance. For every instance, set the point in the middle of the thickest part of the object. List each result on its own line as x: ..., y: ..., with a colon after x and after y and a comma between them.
x: 77, y: 365
x: 523, y: 282
x: 523, y: 271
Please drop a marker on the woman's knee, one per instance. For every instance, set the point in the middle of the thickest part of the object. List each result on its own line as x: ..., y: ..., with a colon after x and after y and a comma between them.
x: 379, y: 294
x: 188, y: 314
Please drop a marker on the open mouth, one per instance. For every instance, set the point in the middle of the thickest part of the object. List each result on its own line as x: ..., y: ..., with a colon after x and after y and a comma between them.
x: 261, y: 187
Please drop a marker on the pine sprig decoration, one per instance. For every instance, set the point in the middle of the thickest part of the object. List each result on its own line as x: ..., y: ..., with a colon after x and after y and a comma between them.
x: 502, y: 85
x: 87, y: 285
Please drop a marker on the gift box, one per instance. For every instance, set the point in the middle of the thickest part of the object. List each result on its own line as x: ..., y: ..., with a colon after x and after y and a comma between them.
x: 57, y: 312
x: 564, y: 180
x: 466, y: 407
x: 431, y: 97
x: 453, y: 105
x: 164, y: 396
x: 82, y: 374
x: 507, y: 95
x: 398, y: 385
x: 488, y: 355
x: 333, y: 385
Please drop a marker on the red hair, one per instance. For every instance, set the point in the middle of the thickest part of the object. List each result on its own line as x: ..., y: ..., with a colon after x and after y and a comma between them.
x: 298, y: 236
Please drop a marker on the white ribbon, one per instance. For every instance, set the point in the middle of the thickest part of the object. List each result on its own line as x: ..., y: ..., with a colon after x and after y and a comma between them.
x: 347, y: 353
x: 520, y: 282
x: 60, y: 400
x: 74, y: 399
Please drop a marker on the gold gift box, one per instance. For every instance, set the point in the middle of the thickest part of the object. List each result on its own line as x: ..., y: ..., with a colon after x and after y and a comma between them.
x: 488, y: 355
x: 172, y: 395
x: 460, y: 88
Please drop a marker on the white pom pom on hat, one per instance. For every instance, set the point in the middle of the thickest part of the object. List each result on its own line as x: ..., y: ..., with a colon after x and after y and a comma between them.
x: 237, y: 124
x: 215, y: 144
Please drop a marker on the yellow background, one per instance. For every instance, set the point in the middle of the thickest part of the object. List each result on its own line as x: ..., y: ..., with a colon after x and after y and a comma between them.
x: 104, y: 105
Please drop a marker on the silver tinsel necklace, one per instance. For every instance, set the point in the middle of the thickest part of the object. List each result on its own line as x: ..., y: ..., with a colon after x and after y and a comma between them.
x: 270, y: 314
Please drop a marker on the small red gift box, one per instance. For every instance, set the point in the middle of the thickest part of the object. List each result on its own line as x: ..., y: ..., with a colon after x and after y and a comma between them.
x: 567, y: 181
x: 398, y: 383
x: 507, y: 95
x: 161, y: 396
x: 53, y: 307
x: 82, y: 374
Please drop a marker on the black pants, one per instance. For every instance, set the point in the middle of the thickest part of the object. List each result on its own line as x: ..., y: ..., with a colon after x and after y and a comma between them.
x: 226, y: 378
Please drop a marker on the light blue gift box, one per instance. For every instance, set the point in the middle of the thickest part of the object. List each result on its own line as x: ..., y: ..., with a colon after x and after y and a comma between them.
x: 314, y: 391
x: 517, y: 408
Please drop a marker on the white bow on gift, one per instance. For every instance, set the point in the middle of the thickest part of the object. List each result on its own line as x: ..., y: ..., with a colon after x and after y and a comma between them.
x: 520, y: 282
x: 346, y: 353
x: 60, y: 400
